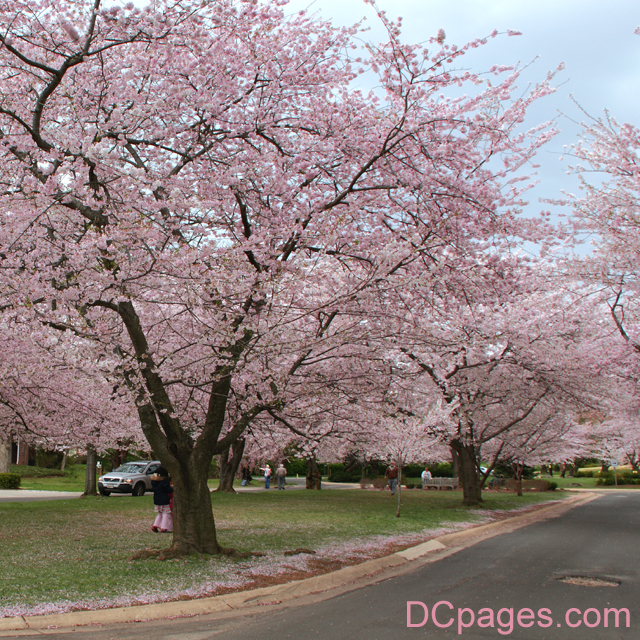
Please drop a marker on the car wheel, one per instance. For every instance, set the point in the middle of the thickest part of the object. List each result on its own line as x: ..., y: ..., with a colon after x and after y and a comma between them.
x: 105, y: 493
x: 139, y: 489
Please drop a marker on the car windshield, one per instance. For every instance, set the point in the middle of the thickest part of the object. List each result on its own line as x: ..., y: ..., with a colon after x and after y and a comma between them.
x: 131, y: 468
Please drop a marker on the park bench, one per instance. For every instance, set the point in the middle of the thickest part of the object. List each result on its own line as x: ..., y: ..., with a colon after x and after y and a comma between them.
x: 438, y: 483
x: 441, y: 483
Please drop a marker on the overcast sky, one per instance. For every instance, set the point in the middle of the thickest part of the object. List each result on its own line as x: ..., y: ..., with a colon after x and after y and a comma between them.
x: 593, y: 38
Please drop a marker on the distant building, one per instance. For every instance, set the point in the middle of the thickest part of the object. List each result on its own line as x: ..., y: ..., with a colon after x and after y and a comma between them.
x: 21, y: 453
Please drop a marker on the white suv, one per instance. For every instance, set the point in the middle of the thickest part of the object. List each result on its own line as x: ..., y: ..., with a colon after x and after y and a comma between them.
x: 131, y: 477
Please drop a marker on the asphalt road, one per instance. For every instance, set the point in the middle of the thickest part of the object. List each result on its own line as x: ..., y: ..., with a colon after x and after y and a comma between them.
x: 511, y: 574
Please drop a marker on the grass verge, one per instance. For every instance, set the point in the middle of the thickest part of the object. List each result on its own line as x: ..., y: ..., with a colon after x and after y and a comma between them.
x: 71, y: 480
x: 72, y: 554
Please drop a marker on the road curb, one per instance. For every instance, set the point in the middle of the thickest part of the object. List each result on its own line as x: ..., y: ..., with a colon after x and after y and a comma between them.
x: 399, y: 561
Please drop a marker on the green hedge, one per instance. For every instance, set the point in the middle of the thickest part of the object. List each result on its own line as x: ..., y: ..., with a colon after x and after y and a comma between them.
x: 337, y: 473
x: 9, y: 481
x: 296, y: 467
x: 624, y: 478
x: 442, y: 470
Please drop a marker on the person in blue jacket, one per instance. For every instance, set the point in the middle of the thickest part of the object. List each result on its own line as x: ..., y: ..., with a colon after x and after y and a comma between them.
x: 162, y: 493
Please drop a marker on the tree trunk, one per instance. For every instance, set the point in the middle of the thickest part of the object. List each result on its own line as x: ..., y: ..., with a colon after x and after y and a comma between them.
x: 399, y: 488
x: 5, y: 453
x: 465, y: 461
x: 519, y: 486
x: 194, y: 530
x: 90, y: 476
x: 314, y: 477
x: 229, y: 466
x: 633, y: 461
x: 518, y: 469
x: 454, y: 464
x: 604, y: 468
x: 63, y: 464
x: 563, y: 470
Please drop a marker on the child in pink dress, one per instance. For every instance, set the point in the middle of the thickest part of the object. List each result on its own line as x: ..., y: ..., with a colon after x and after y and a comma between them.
x: 162, y: 498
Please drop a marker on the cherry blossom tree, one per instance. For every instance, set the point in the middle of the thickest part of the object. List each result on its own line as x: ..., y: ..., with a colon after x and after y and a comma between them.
x: 548, y: 435
x: 407, y: 437
x: 503, y: 348
x: 607, y: 212
x: 198, y: 190
x: 616, y: 435
x: 51, y: 397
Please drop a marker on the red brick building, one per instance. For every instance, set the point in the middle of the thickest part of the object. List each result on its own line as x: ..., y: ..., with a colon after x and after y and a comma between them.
x: 20, y: 452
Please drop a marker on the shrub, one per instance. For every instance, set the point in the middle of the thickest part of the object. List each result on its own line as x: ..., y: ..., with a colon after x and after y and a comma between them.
x: 583, y: 474
x: 296, y: 466
x: 538, y: 485
x: 413, y: 470
x: 48, y: 459
x: 337, y: 473
x: 344, y: 476
x: 10, y: 480
x: 442, y: 470
x: 413, y: 483
x: 532, y: 485
x: 506, y: 471
x: 609, y: 479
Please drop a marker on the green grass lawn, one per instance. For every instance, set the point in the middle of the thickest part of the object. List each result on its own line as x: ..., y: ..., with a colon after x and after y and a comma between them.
x: 72, y: 554
x: 73, y: 480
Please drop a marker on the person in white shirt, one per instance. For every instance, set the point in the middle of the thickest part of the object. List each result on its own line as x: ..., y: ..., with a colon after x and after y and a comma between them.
x: 267, y: 476
x: 426, y: 476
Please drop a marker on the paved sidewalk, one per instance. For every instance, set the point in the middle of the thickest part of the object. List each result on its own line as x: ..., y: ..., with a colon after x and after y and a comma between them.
x: 320, y: 587
x: 29, y: 495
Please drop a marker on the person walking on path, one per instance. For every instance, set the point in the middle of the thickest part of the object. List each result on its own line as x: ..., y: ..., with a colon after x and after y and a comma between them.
x: 391, y: 474
x: 281, y: 474
x: 267, y: 476
x: 162, y: 494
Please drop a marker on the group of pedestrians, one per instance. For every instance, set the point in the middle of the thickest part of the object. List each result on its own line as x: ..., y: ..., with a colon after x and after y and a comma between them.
x: 281, y: 475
